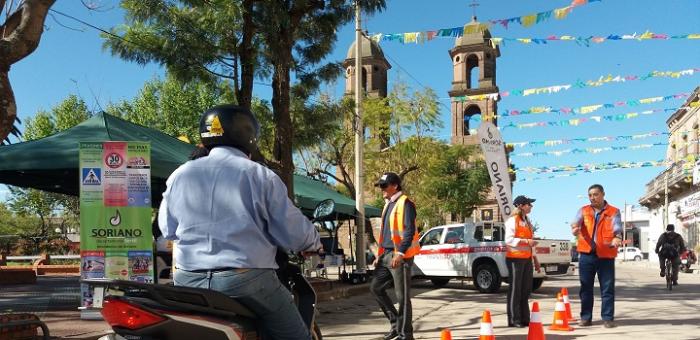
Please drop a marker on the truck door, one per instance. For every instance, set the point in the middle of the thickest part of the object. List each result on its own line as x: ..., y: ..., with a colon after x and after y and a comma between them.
x: 431, y: 260
x: 457, y: 251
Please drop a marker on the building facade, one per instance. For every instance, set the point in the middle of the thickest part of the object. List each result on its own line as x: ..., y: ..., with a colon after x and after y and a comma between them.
x: 673, y: 196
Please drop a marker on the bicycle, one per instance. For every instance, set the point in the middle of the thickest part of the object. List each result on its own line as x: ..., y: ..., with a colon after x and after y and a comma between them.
x: 669, y: 274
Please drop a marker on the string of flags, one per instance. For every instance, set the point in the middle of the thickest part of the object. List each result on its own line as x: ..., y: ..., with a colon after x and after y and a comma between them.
x: 587, y: 40
x: 588, y: 150
x: 474, y: 27
x: 566, y: 171
x: 422, y: 37
x: 579, y: 121
x: 600, y: 81
x: 590, y: 167
x: 555, y: 142
x: 585, y: 109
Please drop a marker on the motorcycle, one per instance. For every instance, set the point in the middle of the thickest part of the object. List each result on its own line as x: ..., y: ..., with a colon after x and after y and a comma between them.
x: 687, y: 259
x: 137, y: 310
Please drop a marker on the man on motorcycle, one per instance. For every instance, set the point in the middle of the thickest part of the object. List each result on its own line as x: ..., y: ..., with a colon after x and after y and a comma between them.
x: 669, y: 246
x: 228, y: 215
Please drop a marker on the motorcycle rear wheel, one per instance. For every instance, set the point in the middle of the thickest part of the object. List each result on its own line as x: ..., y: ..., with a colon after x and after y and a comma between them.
x: 316, y: 332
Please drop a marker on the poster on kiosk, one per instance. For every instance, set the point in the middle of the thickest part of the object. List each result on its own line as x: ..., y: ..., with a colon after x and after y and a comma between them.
x: 116, y: 240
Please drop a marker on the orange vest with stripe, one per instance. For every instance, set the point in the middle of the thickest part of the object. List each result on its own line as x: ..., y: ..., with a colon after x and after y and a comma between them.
x: 396, y: 223
x: 604, y: 233
x: 523, y: 229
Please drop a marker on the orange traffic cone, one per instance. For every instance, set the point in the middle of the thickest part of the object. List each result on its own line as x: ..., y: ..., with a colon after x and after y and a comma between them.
x: 486, y: 332
x: 446, y: 334
x: 567, y: 304
x: 560, y: 323
x: 535, y: 331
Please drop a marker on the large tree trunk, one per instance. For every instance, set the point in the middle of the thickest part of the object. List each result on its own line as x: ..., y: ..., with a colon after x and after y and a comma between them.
x: 21, y: 33
x: 284, y: 131
x: 247, y: 56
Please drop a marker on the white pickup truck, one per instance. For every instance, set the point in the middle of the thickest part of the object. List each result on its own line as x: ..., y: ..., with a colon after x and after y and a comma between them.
x: 477, y: 251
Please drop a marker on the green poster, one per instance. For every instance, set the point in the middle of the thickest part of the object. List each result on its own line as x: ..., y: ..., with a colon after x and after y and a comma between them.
x: 115, y: 212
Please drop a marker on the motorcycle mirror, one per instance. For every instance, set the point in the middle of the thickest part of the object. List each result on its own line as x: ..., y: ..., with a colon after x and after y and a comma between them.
x: 324, y: 208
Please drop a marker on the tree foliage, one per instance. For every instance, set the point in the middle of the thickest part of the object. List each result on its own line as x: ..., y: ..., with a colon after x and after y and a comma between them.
x: 237, y: 41
x: 443, y: 180
x: 49, y: 210
x: 172, y: 106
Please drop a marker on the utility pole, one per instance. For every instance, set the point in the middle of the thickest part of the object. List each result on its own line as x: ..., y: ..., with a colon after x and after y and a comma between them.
x: 360, y: 260
x: 624, y: 234
x: 665, y: 216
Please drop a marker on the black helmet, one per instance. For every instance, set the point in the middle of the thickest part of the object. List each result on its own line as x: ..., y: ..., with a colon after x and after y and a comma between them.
x: 229, y: 125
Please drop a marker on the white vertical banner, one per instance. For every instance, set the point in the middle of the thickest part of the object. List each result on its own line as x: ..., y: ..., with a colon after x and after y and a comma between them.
x: 495, y: 155
x: 696, y: 173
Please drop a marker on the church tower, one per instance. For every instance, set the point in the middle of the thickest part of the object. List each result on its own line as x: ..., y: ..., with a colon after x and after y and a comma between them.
x: 374, y: 76
x: 374, y: 69
x: 474, y: 74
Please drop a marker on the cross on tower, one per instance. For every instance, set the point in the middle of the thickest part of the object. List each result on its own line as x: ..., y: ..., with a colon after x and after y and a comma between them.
x: 474, y: 5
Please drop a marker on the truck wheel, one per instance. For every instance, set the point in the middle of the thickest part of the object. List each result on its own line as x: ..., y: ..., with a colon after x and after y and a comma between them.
x: 536, y: 284
x: 487, y: 279
x: 438, y: 282
x: 637, y: 258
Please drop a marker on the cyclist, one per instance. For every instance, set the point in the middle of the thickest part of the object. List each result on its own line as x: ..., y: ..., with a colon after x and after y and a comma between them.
x: 670, y: 246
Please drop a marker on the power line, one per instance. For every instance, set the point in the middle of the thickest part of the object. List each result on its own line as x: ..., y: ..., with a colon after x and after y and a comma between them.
x: 415, y: 79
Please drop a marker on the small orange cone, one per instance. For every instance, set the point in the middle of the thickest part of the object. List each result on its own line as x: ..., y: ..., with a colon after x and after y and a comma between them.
x: 446, y: 334
x: 535, y: 331
x: 486, y: 332
x: 560, y: 323
x: 567, y: 304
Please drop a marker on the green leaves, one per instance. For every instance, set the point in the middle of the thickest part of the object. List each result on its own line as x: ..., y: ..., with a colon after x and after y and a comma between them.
x: 172, y: 106
x: 70, y: 112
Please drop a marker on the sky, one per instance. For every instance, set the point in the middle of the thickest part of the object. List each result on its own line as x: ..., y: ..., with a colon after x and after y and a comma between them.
x: 70, y: 60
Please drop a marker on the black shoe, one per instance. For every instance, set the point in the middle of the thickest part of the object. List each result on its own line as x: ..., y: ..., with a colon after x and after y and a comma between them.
x: 675, y: 283
x: 663, y: 273
x: 585, y: 323
x: 391, y: 335
x: 407, y: 337
x: 609, y: 324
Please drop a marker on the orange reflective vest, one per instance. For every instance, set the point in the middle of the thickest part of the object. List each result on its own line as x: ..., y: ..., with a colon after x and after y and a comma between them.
x: 396, y: 223
x: 523, y: 230
x: 604, y: 232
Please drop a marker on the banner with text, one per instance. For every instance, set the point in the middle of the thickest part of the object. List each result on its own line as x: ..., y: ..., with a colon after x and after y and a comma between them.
x: 495, y: 154
x: 116, y: 241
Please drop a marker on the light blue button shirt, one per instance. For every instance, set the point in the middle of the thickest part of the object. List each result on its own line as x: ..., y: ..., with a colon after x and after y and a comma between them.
x: 224, y: 210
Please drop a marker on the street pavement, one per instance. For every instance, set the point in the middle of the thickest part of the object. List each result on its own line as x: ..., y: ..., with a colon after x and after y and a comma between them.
x: 644, y: 309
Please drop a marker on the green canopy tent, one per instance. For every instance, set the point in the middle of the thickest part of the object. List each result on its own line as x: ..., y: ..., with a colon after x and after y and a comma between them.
x: 51, y: 163
x: 309, y: 192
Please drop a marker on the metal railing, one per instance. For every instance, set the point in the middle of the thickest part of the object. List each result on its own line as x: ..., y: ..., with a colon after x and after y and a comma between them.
x: 36, y: 257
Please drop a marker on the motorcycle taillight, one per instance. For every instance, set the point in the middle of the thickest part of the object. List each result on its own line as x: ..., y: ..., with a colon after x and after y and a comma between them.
x: 119, y: 313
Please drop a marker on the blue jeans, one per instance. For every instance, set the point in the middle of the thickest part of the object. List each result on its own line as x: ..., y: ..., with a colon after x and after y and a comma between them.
x: 589, y: 266
x: 261, y: 292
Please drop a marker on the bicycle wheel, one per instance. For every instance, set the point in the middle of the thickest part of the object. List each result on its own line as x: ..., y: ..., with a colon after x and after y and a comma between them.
x: 669, y: 274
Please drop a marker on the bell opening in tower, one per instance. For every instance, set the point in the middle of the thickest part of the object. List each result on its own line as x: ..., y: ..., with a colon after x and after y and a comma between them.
x: 473, y: 71
x: 469, y: 112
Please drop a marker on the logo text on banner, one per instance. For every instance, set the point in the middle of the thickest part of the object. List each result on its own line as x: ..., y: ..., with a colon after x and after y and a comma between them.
x: 495, y: 155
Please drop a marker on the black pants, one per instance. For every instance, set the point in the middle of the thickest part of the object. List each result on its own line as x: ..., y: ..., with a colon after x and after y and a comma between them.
x: 520, y: 274
x: 400, y: 278
x: 675, y: 261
